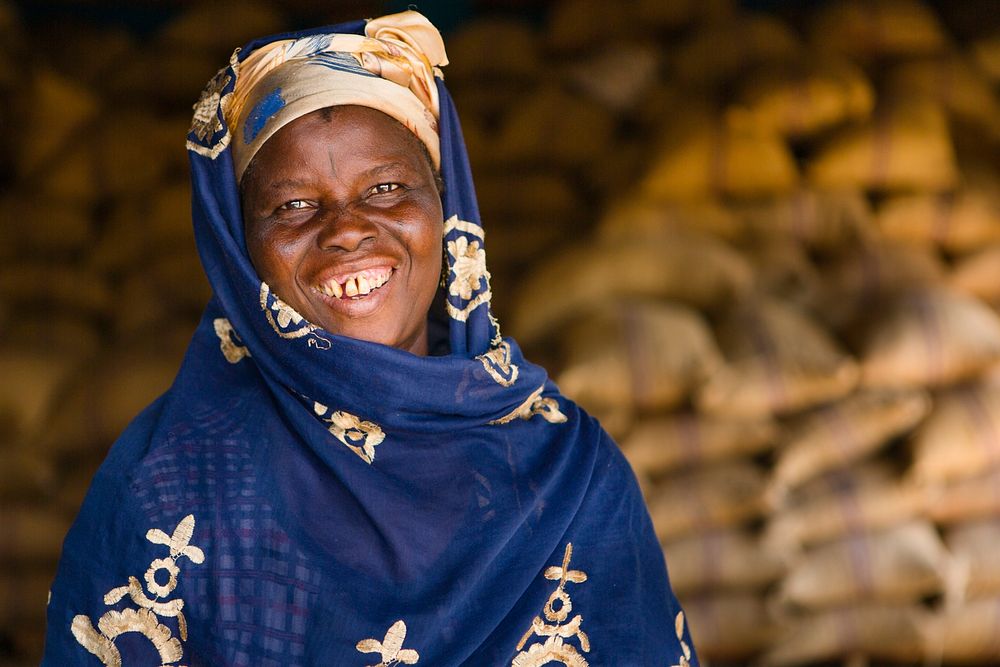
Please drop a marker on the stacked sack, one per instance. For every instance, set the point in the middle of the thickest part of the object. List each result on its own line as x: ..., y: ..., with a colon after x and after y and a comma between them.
x: 789, y: 323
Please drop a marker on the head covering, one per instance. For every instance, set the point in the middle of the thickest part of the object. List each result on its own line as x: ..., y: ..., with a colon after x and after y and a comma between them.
x: 302, y: 498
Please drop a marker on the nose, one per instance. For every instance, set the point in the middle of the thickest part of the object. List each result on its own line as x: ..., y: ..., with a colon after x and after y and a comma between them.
x: 343, y: 229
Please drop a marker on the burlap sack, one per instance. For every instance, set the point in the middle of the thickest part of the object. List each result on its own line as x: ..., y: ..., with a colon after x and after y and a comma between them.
x: 954, y: 83
x: 963, y: 499
x: 868, y: 29
x: 23, y: 474
x: 862, y: 278
x: 679, y: 13
x: 220, y: 26
x: 881, y: 631
x: 732, y: 559
x: 864, y: 498
x: 24, y: 594
x: 718, y: 52
x: 904, y: 147
x: 902, y: 564
x: 784, y: 271
x: 662, y: 444
x: 799, y: 100
x: 716, y: 496
x: 39, y: 286
x: 180, y: 73
x: 649, y: 356
x: 61, y: 335
x: 818, y: 219
x: 959, y: 223
x: 93, y: 409
x: 687, y: 267
x: 85, y: 51
x: 728, y: 627
x: 149, y: 296
x: 575, y: 25
x: 134, y: 150
x: 538, y: 195
x: 777, y: 360
x: 630, y: 216
x: 700, y: 157
x: 33, y: 224
x: 976, y: 274
x: 553, y: 126
x: 618, y: 75
x: 960, y: 438
x: 986, y: 53
x: 966, y: 635
x: 930, y: 337
x: 31, y: 382
x: 839, y: 435
x: 471, y: 58
x: 32, y: 534
x: 973, y: 546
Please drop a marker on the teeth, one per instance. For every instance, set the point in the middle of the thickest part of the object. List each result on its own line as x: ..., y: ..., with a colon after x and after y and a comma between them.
x: 351, y: 287
x: 363, y: 286
x: 335, y: 289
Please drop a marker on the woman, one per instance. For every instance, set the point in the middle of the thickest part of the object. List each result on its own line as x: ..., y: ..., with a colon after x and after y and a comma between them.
x: 353, y: 467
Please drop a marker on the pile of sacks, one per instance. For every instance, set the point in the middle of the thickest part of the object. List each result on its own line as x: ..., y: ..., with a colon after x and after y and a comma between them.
x: 789, y: 321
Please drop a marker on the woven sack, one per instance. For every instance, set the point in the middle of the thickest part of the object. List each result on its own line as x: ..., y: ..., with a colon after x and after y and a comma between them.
x: 973, y: 545
x: 986, y: 53
x: 901, y: 564
x: 700, y: 157
x: 31, y: 382
x: 957, y: 222
x: 777, y: 361
x: 220, y: 26
x: 32, y: 534
x: 818, y: 219
x: 552, y: 126
x: 471, y: 58
x: 864, y: 498
x: 904, y: 147
x: 619, y: 75
x: 149, y: 296
x: 539, y: 195
x: 180, y: 73
x: 862, y: 278
x: 23, y: 474
x: 784, y: 271
x: 718, y: 52
x: 715, y: 496
x: 796, y: 101
x: 960, y: 438
x: 134, y: 150
x: 24, y: 595
x: 84, y: 51
x: 732, y: 559
x: 629, y: 217
x: 841, y: 434
x: 649, y: 356
x: 679, y: 13
x: 55, y: 334
x: 690, y: 268
x: 45, y: 287
x: 869, y: 29
x: 577, y: 25
x: 966, y: 635
x: 728, y: 627
x: 954, y: 83
x: 930, y: 337
x: 880, y: 631
x: 41, y: 225
x: 663, y: 444
x: 963, y: 499
x: 976, y: 274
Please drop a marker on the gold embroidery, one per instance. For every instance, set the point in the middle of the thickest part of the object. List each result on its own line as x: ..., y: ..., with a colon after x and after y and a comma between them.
x: 535, y: 404
x: 556, y: 610
x: 231, y: 350
x: 286, y: 321
x: 684, y: 660
x: 145, y: 620
x: 361, y: 437
x: 455, y: 224
x: 462, y: 314
x: 206, y: 122
x: 497, y: 363
x: 391, y: 647
x: 468, y: 265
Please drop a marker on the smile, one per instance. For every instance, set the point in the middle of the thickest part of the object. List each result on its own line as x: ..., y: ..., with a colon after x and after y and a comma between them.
x: 355, y: 285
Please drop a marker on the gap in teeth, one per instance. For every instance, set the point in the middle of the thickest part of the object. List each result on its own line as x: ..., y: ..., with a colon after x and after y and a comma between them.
x: 357, y: 285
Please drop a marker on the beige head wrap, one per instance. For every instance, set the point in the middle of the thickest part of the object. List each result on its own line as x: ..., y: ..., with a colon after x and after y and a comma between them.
x: 390, y: 68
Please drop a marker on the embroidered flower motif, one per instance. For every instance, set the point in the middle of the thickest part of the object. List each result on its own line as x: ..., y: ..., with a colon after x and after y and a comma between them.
x: 535, y: 404
x: 391, y: 647
x: 206, y: 121
x: 685, y: 658
x: 497, y: 363
x: 360, y: 436
x: 157, y: 589
x: 285, y: 314
x: 469, y: 265
x: 231, y: 350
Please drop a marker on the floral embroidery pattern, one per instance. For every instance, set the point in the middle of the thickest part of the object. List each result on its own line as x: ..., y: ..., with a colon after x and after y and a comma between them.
x: 391, y: 647
x: 684, y: 660
x: 469, y: 266
x: 146, y: 619
x: 556, y: 611
x: 361, y: 437
x: 536, y: 404
x: 207, y: 121
x: 231, y: 349
x: 497, y: 363
x: 286, y: 321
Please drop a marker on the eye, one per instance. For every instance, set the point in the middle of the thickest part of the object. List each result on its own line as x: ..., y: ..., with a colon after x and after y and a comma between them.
x: 382, y: 188
x: 294, y: 205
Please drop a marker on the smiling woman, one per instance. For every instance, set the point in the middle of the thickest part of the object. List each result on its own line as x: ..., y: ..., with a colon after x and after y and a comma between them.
x: 315, y: 488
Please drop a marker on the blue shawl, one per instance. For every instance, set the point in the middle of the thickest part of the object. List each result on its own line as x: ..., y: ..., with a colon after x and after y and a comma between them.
x: 301, y: 498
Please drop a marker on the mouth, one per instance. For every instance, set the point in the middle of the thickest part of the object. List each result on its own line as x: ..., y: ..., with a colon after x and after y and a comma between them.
x: 355, y: 286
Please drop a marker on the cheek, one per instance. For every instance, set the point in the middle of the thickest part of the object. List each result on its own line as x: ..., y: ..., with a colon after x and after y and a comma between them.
x: 273, y: 254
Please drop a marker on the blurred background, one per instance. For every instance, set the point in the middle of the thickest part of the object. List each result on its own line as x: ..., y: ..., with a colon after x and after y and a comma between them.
x: 760, y: 240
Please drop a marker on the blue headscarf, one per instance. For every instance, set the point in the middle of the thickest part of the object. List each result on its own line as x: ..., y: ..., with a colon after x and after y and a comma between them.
x: 302, y: 498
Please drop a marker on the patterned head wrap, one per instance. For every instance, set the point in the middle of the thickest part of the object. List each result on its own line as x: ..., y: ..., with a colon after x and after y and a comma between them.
x: 390, y: 68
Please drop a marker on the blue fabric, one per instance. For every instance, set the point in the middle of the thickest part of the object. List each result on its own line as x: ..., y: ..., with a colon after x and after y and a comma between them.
x: 288, y: 545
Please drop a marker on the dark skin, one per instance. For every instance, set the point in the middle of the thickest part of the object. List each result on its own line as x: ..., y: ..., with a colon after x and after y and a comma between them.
x: 337, y: 197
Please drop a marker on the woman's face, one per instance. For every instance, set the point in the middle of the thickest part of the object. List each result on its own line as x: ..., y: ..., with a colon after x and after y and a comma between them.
x: 343, y: 220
